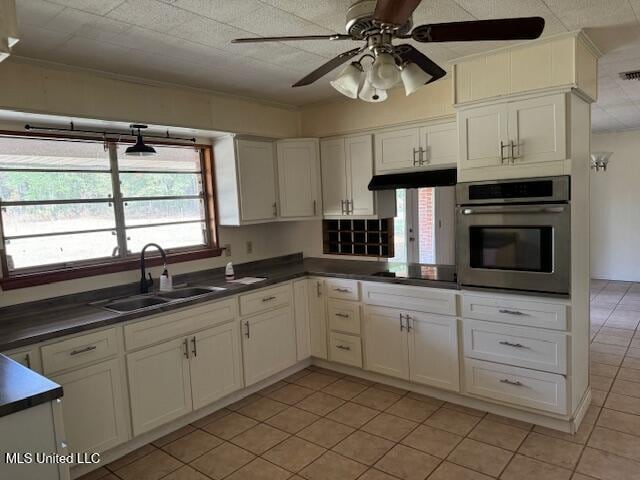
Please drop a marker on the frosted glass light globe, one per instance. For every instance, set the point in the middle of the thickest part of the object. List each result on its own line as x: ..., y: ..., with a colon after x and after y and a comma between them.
x: 384, y: 72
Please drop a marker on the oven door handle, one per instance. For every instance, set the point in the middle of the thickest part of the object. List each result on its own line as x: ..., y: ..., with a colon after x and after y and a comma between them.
x: 519, y: 209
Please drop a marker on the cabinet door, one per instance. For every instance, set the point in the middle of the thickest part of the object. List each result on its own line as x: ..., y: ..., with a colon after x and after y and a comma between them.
x: 439, y: 144
x: 334, y: 176
x: 480, y: 131
x: 538, y: 129
x: 433, y: 350
x: 94, y: 407
x: 397, y: 149
x: 29, y: 357
x: 385, y: 342
x: 318, y: 317
x: 298, y: 178
x: 257, y: 181
x: 216, y: 363
x: 159, y: 384
x: 269, y: 344
x: 301, y: 313
x: 359, y: 153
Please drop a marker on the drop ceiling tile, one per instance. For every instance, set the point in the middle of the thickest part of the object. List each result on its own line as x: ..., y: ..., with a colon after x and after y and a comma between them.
x: 36, y: 42
x: 220, y: 10
x: 209, y: 32
x: 98, y: 7
x: 576, y: 14
x: 514, y: 8
x: 601, y: 121
x: 151, y: 14
x: 271, y: 21
x: 439, y: 11
x: 36, y: 12
x: 628, y: 115
x: 102, y: 28
x: 631, y: 89
x: 313, y: 10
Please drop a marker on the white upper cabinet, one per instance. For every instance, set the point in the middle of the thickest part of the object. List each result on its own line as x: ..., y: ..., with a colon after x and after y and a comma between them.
x: 537, y: 129
x: 254, y: 185
x: 397, y: 149
x: 483, y: 136
x: 299, y: 178
x: 245, y: 181
x: 347, y: 169
x: 439, y: 144
x: 416, y: 148
x: 359, y: 158
x: 512, y: 134
x: 334, y: 176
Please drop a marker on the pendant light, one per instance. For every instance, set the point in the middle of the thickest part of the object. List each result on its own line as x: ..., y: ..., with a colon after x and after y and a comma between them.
x: 139, y: 149
x: 348, y: 80
x: 384, y: 71
x: 369, y: 93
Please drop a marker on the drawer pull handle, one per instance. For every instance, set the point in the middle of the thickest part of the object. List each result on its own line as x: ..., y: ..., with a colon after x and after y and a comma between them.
x: 342, y: 290
x: 511, y: 382
x: 343, y: 347
x: 342, y: 315
x: 186, y: 348
x: 195, y: 347
x: 83, y: 350
x: 514, y: 345
x: 268, y: 299
x: 511, y: 312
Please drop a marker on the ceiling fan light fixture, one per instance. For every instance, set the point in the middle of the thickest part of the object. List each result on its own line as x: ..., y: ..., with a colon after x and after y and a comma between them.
x: 348, y: 80
x: 369, y: 93
x: 139, y: 149
x: 413, y: 77
x: 384, y: 71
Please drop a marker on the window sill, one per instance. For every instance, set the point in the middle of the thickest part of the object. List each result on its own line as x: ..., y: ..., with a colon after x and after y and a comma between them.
x: 43, y: 278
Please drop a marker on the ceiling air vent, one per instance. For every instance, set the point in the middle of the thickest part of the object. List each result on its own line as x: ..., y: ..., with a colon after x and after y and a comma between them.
x: 635, y: 75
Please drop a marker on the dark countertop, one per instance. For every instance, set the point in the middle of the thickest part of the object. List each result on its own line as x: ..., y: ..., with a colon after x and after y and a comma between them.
x: 33, y: 322
x: 21, y: 388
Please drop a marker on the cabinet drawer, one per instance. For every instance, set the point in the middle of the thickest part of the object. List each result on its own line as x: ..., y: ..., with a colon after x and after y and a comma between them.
x: 181, y: 322
x: 345, y: 349
x: 344, y: 316
x: 78, y: 351
x: 516, y: 311
x: 519, y: 386
x: 421, y: 299
x: 343, y: 289
x: 519, y: 346
x: 265, y: 299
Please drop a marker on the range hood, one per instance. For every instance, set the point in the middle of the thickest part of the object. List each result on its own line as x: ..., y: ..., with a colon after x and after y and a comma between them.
x: 431, y: 178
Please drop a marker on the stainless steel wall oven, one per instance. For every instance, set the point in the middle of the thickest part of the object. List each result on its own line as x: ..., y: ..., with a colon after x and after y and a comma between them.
x: 515, y: 234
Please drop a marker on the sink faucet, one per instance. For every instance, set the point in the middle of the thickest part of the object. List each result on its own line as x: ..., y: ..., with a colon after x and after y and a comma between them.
x: 144, y: 282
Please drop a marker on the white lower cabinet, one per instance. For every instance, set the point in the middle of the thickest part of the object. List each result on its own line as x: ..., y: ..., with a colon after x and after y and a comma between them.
x: 416, y: 346
x: 159, y: 384
x: 195, y: 371
x: 268, y: 344
x: 215, y: 364
x: 318, y: 317
x: 433, y: 350
x: 385, y: 342
x: 301, y: 292
x: 94, y: 407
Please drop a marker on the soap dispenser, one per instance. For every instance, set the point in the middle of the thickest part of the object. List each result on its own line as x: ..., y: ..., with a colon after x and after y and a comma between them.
x: 166, y: 282
x: 228, y: 272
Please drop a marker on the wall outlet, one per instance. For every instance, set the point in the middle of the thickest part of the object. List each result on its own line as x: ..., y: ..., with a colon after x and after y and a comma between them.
x: 249, y: 246
x: 227, y: 249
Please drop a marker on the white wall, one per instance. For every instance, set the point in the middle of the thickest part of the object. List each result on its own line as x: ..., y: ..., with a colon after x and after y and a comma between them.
x: 615, y: 208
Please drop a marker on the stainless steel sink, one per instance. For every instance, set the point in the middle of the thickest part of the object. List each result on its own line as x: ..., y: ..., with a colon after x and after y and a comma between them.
x: 134, y: 303
x: 189, y: 292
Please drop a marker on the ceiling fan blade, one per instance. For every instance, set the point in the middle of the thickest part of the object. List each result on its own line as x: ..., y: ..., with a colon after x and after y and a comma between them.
x: 335, y: 36
x: 409, y: 53
x: 525, y: 28
x: 394, y: 12
x: 327, y: 67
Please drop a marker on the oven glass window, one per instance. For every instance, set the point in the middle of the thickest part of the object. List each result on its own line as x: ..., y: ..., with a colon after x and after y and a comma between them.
x: 528, y: 249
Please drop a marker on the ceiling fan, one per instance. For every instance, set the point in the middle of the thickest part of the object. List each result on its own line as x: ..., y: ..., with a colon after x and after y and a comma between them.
x: 378, y: 24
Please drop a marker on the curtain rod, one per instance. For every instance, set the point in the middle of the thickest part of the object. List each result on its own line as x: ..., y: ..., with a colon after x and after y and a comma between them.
x: 104, y: 133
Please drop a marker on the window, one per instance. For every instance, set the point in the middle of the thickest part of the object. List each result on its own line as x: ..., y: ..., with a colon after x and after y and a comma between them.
x: 424, y: 225
x: 72, y: 203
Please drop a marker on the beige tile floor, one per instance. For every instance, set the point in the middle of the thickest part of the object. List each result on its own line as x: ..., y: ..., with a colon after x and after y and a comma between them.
x: 321, y: 425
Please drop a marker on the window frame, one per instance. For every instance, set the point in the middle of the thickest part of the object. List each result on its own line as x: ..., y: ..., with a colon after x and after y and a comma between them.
x: 41, y: 275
